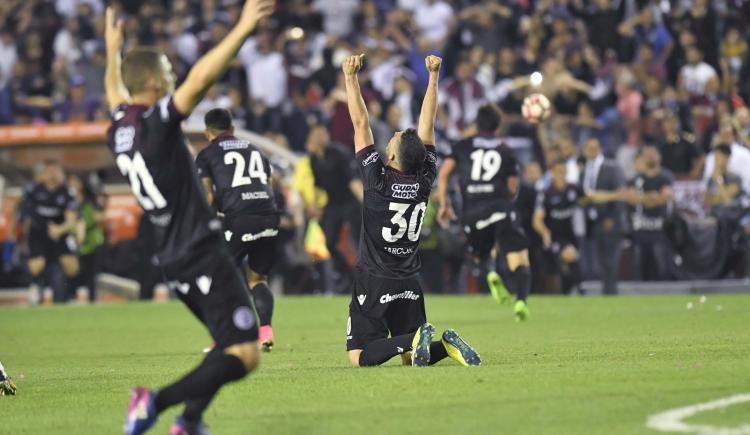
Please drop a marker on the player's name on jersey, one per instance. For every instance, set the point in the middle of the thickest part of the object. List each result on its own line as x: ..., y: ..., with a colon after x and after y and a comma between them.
x: 234, y: 144
x: 247, y: 196
x: 480, y: 188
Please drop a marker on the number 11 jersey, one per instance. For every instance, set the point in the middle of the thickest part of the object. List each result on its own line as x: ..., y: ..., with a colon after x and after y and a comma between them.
x: 150, y: 150
x: 392, y: 212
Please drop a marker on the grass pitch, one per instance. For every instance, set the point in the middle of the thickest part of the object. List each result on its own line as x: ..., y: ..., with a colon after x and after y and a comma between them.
x: 579, y: 366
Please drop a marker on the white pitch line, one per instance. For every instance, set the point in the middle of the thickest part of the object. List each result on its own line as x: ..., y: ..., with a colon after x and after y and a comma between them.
x: 671, y: 420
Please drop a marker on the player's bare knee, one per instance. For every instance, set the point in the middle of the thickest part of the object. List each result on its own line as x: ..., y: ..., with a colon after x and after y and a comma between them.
x: 254, y: 279
x: 69, y: 265
x: 354, y: 357
x: 517, y: 259
x: 36, y: 266
x: 247, y: 352
x: 569, y: 255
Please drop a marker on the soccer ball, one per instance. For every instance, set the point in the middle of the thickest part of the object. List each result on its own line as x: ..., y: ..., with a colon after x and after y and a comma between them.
x: 536, y: 108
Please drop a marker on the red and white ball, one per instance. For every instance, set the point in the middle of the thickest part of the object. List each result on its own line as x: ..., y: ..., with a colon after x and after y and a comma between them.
x: 536, y: 108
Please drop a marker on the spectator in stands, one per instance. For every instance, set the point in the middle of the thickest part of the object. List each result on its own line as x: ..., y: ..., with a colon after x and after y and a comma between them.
x: 739, y: 160
x: 602, y: 180
x: 461, y: 98
x: 698, y: 79
x: 649, y: 195
x: 724, y: 188
x: 266, y: 79
x: 679, y: 152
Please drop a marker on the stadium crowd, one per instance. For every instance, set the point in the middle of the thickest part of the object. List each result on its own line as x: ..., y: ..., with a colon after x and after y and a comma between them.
x: 649, y: 92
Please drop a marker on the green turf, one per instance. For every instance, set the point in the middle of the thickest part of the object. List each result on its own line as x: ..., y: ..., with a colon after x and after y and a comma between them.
x: 732, y: 416
x: 579, y: 366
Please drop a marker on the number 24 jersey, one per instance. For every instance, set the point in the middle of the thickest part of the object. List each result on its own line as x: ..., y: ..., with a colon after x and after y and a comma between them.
x: 392, y: 212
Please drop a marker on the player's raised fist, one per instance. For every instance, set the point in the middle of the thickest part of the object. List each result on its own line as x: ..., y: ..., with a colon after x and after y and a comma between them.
x: 254, y: 11
x: 432, y: 63
x: 113, y: 33
x: 353, y: 64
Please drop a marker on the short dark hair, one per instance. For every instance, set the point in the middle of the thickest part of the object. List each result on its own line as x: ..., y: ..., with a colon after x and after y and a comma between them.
x: 488, y: 118
x: 138, y: 66
x: 218, y: 120
x: 724, y: 149
x: 411, y: 152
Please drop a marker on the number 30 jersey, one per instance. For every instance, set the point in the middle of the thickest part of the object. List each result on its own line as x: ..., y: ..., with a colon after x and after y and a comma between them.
x: 483, y: 165
x: 151, y: 151
x: 392, y: 212
x: 241, y: 176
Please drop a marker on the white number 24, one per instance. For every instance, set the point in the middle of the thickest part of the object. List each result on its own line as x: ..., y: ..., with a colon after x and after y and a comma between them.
x: 411, y: 229
x: 254, y: 169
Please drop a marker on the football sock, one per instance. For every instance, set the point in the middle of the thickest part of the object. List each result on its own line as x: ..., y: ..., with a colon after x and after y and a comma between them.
x: 518, y: 282
x: 202, y: 383
x: 379, y: 351
x: 194, y: 408
x: 263, y: 299
x: 571, y: 278
x: 71, y: 284
x: 437, y: 352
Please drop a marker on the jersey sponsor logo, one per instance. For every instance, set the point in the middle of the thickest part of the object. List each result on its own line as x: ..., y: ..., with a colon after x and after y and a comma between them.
x: 480, y: 188
x: 647, y: 223
x: 495, y: 217
x: 361, y: 299
x: 371, y: 158
x: 250, y: 237
x: 124, y: 139
x: 399, y: 251
x: 559, y: 214
x: 160, y: 220
x: 234, y: 144
x: 405, y: 191
x: 204, y: 283
x: 243, y: 318
x: 386, y: 298
x: 45, y: 211
x: 248, y: 196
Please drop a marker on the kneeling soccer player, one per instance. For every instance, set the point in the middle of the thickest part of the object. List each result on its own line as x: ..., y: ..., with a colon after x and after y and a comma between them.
x: 387, y: 298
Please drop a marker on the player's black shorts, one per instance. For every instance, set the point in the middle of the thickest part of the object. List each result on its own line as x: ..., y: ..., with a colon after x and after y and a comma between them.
x: 560, y: 241
x: 501, y: 225
x: 254, y: 238
x: 40, y: 245
x: 210, y: 284
x: 380, y: 306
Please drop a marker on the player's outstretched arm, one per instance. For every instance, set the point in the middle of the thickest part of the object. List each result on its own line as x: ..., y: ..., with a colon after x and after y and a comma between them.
x: 116, y: 92
x: 426, y: 127
x: 445, y: 212
x: 212, y: 65
x: 355, y: 102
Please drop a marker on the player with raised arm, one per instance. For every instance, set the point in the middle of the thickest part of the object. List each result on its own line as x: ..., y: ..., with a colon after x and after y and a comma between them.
x: 150, y: 150
x: 488, y: 176
x: 387, y: 298
x: 237, y: 178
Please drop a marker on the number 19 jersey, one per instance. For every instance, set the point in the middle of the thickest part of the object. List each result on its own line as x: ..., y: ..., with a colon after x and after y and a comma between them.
x: 392, y: 212
x: 150, y: 150
x: 483, y: 166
